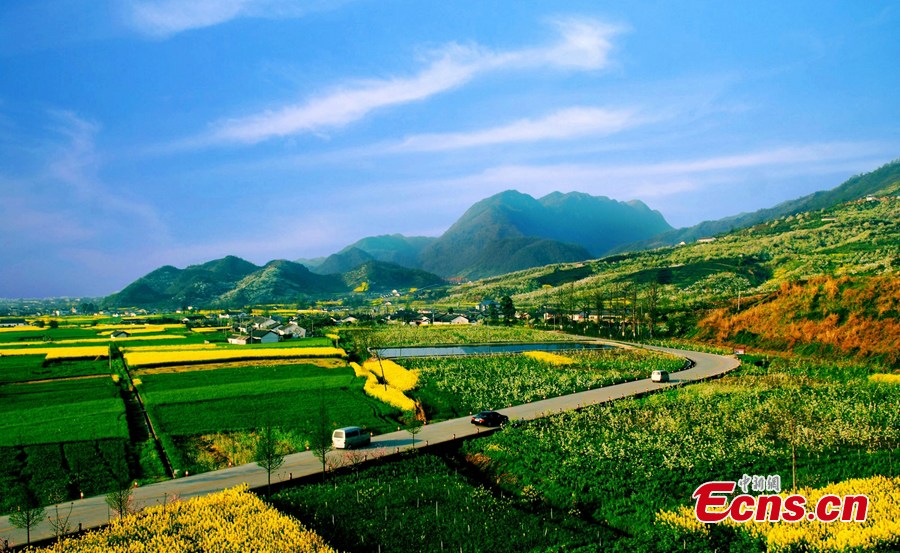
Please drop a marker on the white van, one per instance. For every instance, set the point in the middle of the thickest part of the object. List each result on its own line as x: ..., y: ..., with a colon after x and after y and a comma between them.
x: 350, y: 437
x: 659, y: 376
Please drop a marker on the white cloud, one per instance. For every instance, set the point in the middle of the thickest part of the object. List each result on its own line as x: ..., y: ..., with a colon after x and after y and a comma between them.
x: 75, y: 164
x: 583, y: 45
x: 586, y: 44
x: 345, y: 105
x: 564, y: 124
x: 669, y: 178
x: 163, y: 18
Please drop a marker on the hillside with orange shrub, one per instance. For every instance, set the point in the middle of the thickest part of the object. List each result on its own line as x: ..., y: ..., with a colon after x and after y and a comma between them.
x: 849, y: 315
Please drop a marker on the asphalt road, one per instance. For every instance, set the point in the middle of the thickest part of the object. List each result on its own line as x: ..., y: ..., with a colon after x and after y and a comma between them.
x: 93, y: 512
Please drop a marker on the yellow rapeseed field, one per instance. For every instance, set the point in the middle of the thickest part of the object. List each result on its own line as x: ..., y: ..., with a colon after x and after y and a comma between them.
x: 22, y: 328
x: 138, y: 328
x: 232, y: 521
x: 551, y: 358
x: 880, y: 530
x: 171, y: 347
x: 106, y: 340
x: 168, y: 357
x: 207, y: 329
x: 885, y: 378
x: 388, y: 394
x: 85, y: 352
x: 396, y: 376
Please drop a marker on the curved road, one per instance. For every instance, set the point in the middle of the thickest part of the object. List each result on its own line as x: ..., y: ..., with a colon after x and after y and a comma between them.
x: 93, y: 512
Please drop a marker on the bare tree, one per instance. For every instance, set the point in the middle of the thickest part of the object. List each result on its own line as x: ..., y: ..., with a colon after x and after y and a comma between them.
x: 120, y: 499
x: 320, y: 444
x: 59, y: 519
x: 652, y: 299
x: 414, y: 428
x: 27, y: 516
x: 268, y: 455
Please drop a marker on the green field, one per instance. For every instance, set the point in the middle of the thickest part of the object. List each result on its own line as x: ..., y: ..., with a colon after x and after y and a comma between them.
x: 13, y: 337
x: 237, y: 401
x: 422, y: 504
x: 59, y: 438
x: 52, y: 473
x: 404, y: 335
x: 456, y: 386
x: 627, y: 461
x: 23, y: 368
x: 61, y: 411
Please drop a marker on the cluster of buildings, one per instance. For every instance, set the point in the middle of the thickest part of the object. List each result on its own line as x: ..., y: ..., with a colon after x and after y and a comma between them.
x: 265, y: 330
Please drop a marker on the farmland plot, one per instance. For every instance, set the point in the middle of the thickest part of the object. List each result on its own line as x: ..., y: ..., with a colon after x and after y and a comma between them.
x: 420, y: 503
x: 208, y: 418
x: 60, y: 438
x: 456, y: 386
x: 627, y: 461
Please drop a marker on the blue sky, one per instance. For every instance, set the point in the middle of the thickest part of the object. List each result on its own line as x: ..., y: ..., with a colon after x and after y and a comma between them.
x: 135, y: 134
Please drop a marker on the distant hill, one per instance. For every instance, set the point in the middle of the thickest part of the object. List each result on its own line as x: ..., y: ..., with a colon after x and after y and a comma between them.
x: 512, y: 231
x: 508, y: 232
x: 384, y: 277
x: 878, y: 182
x: 279, y: 281
x: 394, y: 248
x: 343, y: 261
x: 232, y: 281
x: 196, y: 284
x: 859, y: 238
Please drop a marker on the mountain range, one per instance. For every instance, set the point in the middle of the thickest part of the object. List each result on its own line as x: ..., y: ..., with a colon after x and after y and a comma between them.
x: 854, y: 188
x: 511, y: 231
x: 232, y: 281
x: 506, y: 232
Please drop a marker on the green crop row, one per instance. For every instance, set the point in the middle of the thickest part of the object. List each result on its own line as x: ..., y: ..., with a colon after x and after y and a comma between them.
x: 455, y: 386
x: 626, y: 461
x: 53, y: 473
x: 422, y: 504
x: 23, y: 368
x: 197, y: 386
x: 61, y: 411
x: 197, y: 409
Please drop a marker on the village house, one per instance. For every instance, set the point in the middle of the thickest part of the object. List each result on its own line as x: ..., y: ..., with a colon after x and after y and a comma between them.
x: 290, y: 330
x: 255, y: 337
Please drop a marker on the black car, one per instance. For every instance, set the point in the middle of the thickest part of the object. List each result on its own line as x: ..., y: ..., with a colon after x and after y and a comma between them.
x: 490, y: 418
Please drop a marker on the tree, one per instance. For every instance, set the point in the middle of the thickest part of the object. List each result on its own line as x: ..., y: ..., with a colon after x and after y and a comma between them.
x: 492, y: 314
x: 320, y: 444
x: 120, y: 499
x: 508, y: 310
x: 652, y: 300
x: 414, y: 428
x: 268, y: 455
x: 27, y: 516
x: 59, y: 520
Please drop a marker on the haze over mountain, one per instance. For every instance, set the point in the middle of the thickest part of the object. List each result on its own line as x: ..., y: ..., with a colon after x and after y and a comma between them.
x: 859, y: 186
x: 511, y: 231
x: 232, y: 281
x: 506, y: 232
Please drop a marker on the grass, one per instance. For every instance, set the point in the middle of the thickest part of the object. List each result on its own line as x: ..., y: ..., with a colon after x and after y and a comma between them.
x: 22, y: 368
x: 420, y: 503
x: 455, y: 386
x: 61, y: 411
x: 628, y: 460
x: 242, y: 399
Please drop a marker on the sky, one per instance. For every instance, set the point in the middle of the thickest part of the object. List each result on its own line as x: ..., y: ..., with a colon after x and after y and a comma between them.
x: 142, y: 133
